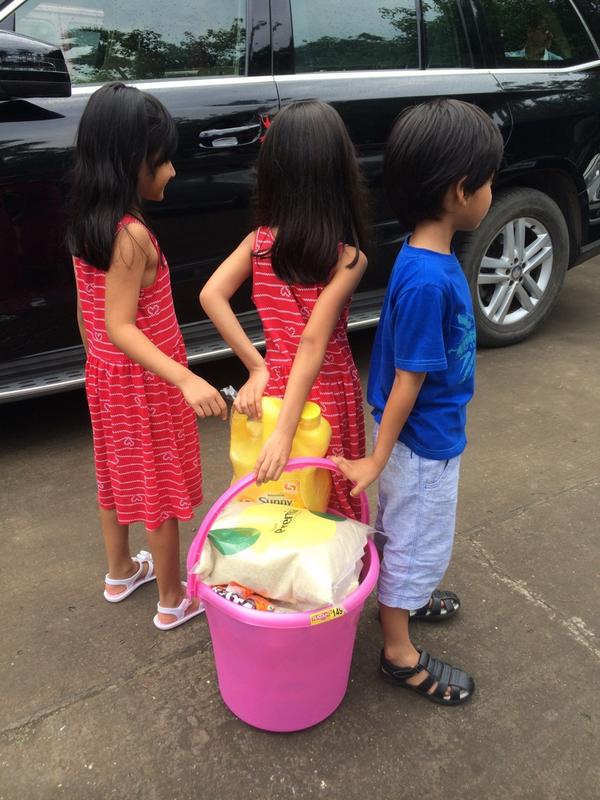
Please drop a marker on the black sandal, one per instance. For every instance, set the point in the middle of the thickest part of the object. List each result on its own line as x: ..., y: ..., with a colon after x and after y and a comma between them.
x: 461, y: 684
x: 443, y: 604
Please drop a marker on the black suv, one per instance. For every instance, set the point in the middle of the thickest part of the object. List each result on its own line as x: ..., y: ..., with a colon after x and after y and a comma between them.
x: 223, y: 68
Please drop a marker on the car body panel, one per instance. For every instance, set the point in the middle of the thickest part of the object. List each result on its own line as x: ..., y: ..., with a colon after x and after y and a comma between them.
x: 549, y: 119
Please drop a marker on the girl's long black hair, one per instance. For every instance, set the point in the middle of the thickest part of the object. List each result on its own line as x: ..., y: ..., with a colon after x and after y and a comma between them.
x: 311, y: 190
x: 120, y: 129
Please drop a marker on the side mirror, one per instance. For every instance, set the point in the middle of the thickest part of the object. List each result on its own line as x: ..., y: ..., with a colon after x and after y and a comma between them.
x: 29, y: 68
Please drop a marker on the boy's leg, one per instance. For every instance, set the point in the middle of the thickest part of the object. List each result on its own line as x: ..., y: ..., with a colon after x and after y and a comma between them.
x: 416, y: 518
x: 397, y: 645
x: 164, y: 546
x: 118, y: 555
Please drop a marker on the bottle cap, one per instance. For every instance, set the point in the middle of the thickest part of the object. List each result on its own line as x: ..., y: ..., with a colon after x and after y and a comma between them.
x: 310, y: 417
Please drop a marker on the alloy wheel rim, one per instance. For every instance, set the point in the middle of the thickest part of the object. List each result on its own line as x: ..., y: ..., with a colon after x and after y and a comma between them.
x: 515, y: 271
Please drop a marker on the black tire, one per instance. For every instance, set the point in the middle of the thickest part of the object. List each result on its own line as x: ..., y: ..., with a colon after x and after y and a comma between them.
x: 531, y: 212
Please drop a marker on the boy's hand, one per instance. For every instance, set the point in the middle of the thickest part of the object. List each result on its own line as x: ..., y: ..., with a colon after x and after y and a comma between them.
x: 202, y: 397
x: 249, y: 397
x: 273, y: 458
x: 362, y: 472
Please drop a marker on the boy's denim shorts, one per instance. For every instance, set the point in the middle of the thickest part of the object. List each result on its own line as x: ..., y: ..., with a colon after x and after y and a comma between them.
x: 416, y: 515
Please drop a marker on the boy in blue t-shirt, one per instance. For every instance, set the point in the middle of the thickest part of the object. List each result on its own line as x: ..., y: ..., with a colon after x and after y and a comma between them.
x: 440, y: 160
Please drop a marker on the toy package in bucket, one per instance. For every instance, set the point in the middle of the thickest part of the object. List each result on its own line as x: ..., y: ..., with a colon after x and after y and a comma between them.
x: 243, y: 596
x: 303, y: 558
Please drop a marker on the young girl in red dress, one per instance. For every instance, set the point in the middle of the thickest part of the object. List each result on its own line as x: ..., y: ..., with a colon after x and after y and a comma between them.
x: 143, y: 399
x: 305, y: 261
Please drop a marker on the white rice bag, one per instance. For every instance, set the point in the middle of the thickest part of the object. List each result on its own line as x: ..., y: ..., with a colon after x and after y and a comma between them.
x: 305, y: 558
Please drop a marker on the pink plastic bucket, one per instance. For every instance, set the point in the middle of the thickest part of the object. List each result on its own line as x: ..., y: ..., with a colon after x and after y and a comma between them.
x: 281, y: 672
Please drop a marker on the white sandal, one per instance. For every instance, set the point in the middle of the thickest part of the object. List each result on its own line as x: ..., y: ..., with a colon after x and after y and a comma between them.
x: 179, y: 613
x: 135, y: 581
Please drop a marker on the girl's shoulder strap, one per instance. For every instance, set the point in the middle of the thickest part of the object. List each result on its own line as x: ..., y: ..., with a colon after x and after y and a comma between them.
x: 127, y: 219
x: 263, y: 239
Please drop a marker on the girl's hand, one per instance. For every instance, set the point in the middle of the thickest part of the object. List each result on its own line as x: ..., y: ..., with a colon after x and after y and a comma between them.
x: 202, y: 397
x: 248, y: 400
x: 273, y: 458
x: 362, y: 472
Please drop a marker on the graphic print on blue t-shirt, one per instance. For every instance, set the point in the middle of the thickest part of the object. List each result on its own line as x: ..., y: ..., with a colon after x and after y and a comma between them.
x: 427, y: 325
x: 465, y: 351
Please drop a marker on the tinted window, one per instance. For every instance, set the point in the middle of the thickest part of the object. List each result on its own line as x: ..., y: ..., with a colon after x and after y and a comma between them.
x: 591, y: 13
x: 111, y: 40
x: 539, y: 33
x: 445, y: 39
x: 371, y: 34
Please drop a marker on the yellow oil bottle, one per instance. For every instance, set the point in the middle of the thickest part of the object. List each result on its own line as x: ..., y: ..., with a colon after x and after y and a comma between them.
x: 306, y: 488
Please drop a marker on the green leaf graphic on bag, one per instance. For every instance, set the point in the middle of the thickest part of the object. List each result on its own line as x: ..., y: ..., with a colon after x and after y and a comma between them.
x: 230, y: 541
x: 332, y: 517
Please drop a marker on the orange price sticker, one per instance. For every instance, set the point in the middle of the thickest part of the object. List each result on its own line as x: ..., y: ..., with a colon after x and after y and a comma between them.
x: 326, y: 615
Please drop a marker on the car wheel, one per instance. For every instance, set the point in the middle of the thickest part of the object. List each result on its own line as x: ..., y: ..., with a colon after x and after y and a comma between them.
x: 516, y: 263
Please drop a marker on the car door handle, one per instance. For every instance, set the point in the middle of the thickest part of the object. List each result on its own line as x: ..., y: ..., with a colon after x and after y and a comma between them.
x: 229, y: 137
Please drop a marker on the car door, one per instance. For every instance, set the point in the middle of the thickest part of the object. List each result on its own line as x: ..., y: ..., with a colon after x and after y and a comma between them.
x: 548, y: 65
x: 210, y: 64
x: 371, y: 60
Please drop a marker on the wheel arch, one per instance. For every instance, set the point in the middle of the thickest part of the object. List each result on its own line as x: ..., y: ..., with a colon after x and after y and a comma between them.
x: 561, y: 183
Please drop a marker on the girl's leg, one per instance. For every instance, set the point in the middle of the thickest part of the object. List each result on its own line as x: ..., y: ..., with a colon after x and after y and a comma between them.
x: 116, y: 544
x: 164, y: 546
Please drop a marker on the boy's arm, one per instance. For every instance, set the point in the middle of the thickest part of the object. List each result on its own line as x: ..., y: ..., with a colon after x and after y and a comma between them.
x: 401, y: 400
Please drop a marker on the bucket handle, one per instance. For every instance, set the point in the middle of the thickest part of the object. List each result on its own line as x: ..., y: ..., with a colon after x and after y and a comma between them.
x: 237, y: 488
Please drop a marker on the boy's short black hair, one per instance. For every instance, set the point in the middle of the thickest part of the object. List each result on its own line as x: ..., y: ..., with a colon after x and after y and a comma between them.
x: 432, y: 146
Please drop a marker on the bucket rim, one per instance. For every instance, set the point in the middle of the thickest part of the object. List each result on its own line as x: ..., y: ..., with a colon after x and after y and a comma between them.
x: 234, y: 490
x: 294, y: 619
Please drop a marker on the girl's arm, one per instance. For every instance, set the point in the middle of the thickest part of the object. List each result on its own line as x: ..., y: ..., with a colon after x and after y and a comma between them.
x: 215, y: 300
x: 308, y: 362
x: 133, y: 253
x: 363, y: 471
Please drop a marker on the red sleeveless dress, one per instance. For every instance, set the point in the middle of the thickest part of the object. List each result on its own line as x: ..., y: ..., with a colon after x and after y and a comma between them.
x: 284, y: 310
x: 146, y: 446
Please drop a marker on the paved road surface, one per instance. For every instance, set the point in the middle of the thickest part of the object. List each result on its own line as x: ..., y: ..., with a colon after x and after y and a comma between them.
x: 97, y: 704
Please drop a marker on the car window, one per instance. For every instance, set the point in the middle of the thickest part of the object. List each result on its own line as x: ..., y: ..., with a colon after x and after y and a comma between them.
x: 536, y: 33
x: 590, y: 10
x: 445, y: 38
x: 111, y: 40
x: 371, y: 34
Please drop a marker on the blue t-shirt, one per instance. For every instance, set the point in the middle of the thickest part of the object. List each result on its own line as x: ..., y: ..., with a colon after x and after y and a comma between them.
x: 427, y: 325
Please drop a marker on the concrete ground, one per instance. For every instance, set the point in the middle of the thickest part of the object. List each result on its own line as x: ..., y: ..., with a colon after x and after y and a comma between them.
x: 96, y: 703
